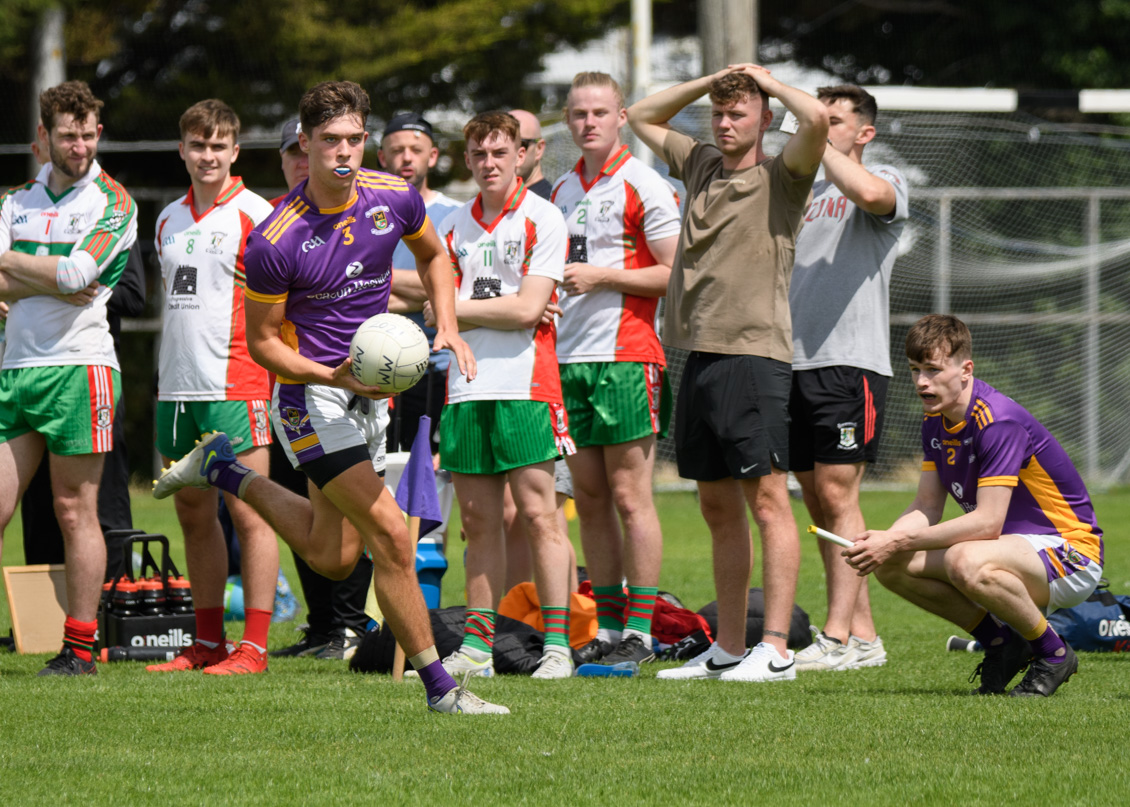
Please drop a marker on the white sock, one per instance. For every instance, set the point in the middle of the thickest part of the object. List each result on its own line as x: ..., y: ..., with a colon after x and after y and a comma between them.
x: 475, y: 654
x: 722, y: 657
x: 612, y: 637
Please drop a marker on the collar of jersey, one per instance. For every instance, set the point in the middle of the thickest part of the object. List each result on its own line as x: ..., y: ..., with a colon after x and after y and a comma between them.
x: 45, y: 173
x: 510, y: 205
x: 613, y: 164
x: 224, y: 197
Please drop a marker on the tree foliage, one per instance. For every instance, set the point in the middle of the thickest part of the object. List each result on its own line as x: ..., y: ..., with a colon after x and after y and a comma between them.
x: 153, y: 59
x: 1027, y: 44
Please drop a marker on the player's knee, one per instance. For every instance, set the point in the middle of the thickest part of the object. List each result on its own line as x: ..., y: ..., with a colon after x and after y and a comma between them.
x: 393, y: 553
x: 965, y: 570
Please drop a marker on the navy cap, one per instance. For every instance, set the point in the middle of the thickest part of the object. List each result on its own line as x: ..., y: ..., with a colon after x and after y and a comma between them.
x: 290, y: 132
x: 409, y: 121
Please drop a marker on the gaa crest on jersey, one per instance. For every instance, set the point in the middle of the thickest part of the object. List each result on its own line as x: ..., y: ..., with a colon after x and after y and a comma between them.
x: 103, y: 417
x: 74, y: 224
x: 294, y: 418
x: 847, y: 436
x: 512, y: 253
x: 604, y: 208
x: 379, y: 216
x: 217, y: 240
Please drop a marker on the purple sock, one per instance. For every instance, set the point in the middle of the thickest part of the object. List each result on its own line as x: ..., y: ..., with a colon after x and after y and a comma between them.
x: 991, y: 632
x: 229, y: 476
x: 436, y: 680
x: 1049, y: 647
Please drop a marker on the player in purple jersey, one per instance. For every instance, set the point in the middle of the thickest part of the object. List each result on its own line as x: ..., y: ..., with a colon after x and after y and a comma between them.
x: 316, y: 268
x: 1027, y: 542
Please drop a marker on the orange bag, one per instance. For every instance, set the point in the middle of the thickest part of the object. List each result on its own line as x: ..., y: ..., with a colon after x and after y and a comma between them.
x: 521, y: 603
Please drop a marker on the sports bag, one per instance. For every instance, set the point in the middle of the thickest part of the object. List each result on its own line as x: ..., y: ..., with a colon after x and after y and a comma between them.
x: 1099, y: 623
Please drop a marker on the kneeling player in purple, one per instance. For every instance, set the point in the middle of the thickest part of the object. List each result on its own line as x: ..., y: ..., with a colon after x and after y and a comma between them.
x: 317, y: 267
x: 1028, y: 542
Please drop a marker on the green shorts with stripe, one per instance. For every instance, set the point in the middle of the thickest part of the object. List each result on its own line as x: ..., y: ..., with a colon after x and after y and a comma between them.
x: 72, y: 406
x: 612, y: 402
x: 492, y: 437
x: 181, y: 423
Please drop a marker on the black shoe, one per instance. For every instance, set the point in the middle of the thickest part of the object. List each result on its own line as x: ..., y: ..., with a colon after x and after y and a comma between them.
x: 631, y: 648
x: 591, y: 653
x: 1044, y: 678
x: 67, y: 663
x: 341, y: 648
x: 1001, y: 664
x: 310, y: 644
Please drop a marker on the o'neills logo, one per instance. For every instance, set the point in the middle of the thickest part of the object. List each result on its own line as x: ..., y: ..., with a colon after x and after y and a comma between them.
x: 1114, y: 627
x: 174, y: 638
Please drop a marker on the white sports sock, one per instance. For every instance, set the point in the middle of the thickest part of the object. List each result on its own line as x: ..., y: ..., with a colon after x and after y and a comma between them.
x: 610, y: 636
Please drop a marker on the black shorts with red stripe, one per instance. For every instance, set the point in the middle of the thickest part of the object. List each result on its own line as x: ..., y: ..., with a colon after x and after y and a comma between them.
x: 836, y: 416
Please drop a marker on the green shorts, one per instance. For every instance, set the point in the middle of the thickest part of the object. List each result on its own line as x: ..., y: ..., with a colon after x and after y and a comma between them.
x: 492, y: 437
x: 612, y: 402
x: 180, y: 424
x: 72, y: 406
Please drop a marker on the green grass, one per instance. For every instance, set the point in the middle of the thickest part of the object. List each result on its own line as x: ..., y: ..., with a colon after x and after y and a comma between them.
x: 310, y: 733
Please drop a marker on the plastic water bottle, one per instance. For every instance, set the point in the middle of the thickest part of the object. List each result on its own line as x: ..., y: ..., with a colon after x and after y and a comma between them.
x: 623, y: 669
x: 180, y: 596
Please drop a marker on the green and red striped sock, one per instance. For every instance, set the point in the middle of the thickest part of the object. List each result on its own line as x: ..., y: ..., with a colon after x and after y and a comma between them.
x: 79, y: 637
x: 610, y: 605
x: 641, y: 606
x: 556, y: 626
x: 478, y: 632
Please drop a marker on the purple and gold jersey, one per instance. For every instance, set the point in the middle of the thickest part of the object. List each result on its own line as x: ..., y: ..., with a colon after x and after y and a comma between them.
x: 1000, y: 443
x: 332, y: 268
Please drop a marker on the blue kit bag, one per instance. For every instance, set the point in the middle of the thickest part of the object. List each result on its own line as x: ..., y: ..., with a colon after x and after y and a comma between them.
x: 1099, y: 623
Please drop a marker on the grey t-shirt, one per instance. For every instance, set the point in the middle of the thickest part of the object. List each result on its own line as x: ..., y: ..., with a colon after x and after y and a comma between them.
x: 840, y: 294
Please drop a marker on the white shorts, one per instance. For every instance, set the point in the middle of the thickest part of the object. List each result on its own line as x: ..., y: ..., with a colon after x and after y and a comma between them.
x: 312, y: 421
x: 1072, y: 576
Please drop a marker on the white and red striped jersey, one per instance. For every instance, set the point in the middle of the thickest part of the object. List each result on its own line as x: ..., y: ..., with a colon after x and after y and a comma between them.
x: 490, y: 259
x: 611, y: 221
x: 204, y: 341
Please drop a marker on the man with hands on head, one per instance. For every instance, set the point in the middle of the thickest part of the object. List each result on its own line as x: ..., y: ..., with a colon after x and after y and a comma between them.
x: 1027, y: 542
x: 317, y: 267
x: 727, y: 303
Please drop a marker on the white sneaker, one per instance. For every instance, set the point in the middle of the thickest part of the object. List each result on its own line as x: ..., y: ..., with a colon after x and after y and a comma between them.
x: 554, y: 664
x: 763, y: 664
x: 866, y: 654
x: 701, y: 666
x: 459, y: 701
x: 826, y: 653
x: 192, y: 470
x: 461, y: 663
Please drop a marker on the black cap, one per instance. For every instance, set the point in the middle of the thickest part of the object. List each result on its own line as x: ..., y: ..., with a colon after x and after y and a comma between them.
x: 290, y: 131
x: 409, y: 121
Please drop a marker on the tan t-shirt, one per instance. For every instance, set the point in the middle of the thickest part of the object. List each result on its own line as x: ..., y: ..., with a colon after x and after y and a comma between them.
x: 729, y: 287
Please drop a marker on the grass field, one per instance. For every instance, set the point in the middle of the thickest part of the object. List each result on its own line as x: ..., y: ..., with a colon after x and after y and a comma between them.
x: 309, y: 732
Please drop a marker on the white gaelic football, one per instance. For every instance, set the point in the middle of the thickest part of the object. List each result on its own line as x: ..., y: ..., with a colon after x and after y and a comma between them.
x: 389, y: 351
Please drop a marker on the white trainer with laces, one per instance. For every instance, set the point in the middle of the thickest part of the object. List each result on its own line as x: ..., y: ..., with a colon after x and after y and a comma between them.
x: 866, y: 654
x: 460, y: 701
x: 763, y: 664
x: 462, y: 663
x: 193, y: 469
x: 554, y: 664
x: 826, y: 654
x: 704, y: 665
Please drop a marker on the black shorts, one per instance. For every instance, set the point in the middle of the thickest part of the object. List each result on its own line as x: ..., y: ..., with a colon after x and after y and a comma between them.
x: 836, y: 416
x: 731, y: 417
